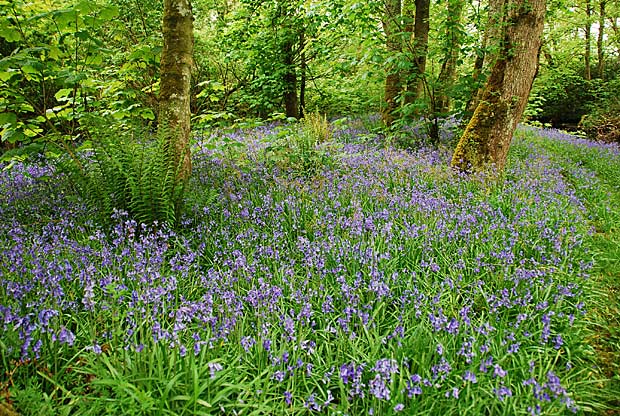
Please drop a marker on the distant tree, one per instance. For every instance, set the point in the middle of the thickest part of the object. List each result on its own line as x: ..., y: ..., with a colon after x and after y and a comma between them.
x: 421, y: 27
x: 391, y: 27
x: 488, y: 134
x: 600, y: 39
x: 174, y: 88
x: 291, y: 46
x: 588, y: 40
x: 452, y: 46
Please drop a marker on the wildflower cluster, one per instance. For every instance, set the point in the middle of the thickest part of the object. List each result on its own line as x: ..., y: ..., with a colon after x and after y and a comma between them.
x: 385, y: 283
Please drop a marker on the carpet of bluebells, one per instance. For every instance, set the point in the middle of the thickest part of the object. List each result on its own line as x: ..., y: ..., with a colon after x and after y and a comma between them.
x: 383, y: 283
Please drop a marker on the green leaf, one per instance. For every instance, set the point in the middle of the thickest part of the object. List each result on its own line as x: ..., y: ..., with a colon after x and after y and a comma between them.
x: 82, y: 34
x: 25, y: 107
x: 29, y: 69
x: 147, y: 114
x: 65, y: 18
x: 8, y: 120
x: 63, y: 94
x: 9, y: 33
x: 12, y: 136
x: 54, y: 52
x: 108, y: 12
x: 32, y: 130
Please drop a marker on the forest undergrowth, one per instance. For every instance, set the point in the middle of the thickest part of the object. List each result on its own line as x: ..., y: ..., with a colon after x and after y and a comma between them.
x: 321, y: 270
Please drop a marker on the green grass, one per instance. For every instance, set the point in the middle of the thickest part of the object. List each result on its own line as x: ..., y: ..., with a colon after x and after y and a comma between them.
x: 595, y: 174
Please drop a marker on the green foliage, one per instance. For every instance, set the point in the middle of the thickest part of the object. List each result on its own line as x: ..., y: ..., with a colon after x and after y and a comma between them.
x: 560, y: 95
x: 316, y: 127
x: 175, y: 385
x: 52, y: 52
x: 303, y: 150
x: 128, y: 171
x: 603, y: 121
x: 63, y: 61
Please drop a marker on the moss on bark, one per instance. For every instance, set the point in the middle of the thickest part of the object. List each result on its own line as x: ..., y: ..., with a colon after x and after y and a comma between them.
x: 174, y: 87
x: 488, y: 135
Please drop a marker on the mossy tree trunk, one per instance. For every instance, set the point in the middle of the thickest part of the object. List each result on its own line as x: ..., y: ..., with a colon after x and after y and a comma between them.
x: 391, y: 27
x: 491, y: 43
x: 174, y: 86
x: 488, y: 135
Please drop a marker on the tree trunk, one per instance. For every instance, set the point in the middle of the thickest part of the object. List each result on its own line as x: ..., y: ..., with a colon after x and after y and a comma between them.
x: 452, y: 47
x: 303, y: 67
x: 393, y: 45
x: 420, y: 33
x: 487, y: 137
x: 491, y: 43
x: 588, y: 28
x: 174, y: 86
x: 415, y: 80
x: 599, y: 41
x: 291, y: 104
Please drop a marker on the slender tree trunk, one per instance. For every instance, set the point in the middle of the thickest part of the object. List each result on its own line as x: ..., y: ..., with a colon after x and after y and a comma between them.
x: 452, y: 46
x: 548, y: 57
x: 488, y: 135
x: 303, y: 69
x: 599, y: 40
x: 415, y: 80
x: 174, y: 86
x: 393, y: 45
x: 291, y: 104
x: 588, y: 28
x: 409, y: 87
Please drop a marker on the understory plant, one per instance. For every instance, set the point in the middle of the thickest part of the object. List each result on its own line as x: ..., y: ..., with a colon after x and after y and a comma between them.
x: 127, y: 169
x: 303, y: 149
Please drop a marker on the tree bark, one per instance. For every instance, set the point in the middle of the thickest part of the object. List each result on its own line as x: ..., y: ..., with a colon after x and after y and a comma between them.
x: 174, y: 86
x: 490, y: 44
x: 393, y: 45
x: 488, y: 135
x: 599, y: 40
x: 588, y: 29
x: 415, y: 80
x: 303, y: 68
x: 291, y: 103
x: 452, y: 48
x: 420, y: 33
